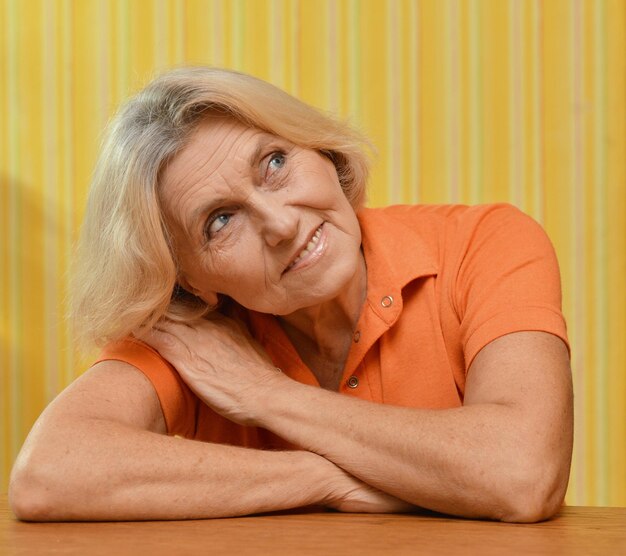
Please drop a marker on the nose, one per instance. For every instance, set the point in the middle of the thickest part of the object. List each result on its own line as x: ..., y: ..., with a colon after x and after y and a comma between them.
x: 278, y: 221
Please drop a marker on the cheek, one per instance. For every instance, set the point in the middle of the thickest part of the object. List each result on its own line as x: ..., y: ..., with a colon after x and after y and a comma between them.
x: 234, y: 271
x: 200, y: 271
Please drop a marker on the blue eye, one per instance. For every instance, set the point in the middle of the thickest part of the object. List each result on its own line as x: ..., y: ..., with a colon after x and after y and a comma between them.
x: 277, y: 161
x: 217, y: 223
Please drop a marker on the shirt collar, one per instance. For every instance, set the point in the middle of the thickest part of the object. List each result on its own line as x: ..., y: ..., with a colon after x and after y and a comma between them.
x: 395, y: 255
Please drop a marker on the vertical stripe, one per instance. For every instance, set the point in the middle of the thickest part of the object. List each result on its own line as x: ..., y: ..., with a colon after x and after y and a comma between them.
x: 496, y: 123
x: 516, y: 106
x: 237, y: 35
x: 537, y: 107
x: 218, y: 34
x: 50, y: 205
x: 375, y: 104
x: 122, y: 60
x: 578, y: 217
x: 475, y: 104
x: 160, y: 34
x: 15, y: 239
x: 103, y: 62
x: 4, y: 266
x: 413, y: 71
x: 275, y: 23
x: 613, y: 116
x: 334, y: 79
x: 355, y: 59
x: 600, y: 300
x: 180, y: 32
x: 295, y: 47
x: 393, y: 185
x: 69, y: 368
x: 452, y: 108
x: 6, y: 395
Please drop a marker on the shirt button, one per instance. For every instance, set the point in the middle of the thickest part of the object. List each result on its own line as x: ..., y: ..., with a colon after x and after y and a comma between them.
x: 357, y: 336
x: 353, y: 382
x: 386, y: 301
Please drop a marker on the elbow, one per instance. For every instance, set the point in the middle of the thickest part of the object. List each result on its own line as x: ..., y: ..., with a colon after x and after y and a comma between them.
x: 532, y: 507
x: 30, y: 498
x: 535, y: 495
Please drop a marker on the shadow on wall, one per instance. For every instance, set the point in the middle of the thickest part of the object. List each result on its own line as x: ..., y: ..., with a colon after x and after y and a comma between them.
x: 35, y: 243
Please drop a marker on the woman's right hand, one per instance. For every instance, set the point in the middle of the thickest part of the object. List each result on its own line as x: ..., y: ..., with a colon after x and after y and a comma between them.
x: 219, y: 360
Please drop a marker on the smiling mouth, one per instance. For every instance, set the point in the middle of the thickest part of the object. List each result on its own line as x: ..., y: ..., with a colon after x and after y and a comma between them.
x: 308, y: 249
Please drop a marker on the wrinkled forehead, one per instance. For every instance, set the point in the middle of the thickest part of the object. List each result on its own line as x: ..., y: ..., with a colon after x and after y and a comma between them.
x: 215, y: 139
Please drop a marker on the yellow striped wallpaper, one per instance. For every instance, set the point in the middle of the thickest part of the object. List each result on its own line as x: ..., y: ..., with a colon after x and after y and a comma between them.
x: 467, y: 101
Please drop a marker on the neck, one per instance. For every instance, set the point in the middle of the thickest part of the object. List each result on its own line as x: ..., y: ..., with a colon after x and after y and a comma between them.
x: 327, y: 328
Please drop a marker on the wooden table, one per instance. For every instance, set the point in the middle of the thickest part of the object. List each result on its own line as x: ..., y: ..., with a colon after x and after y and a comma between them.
x: 577, y: 530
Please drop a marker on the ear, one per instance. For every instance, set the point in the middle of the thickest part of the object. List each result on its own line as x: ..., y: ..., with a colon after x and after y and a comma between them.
x: 210, y: 298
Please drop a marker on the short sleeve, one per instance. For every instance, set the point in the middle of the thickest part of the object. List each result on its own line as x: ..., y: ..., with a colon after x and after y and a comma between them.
x: 178, y: 403
x: 508, y: 278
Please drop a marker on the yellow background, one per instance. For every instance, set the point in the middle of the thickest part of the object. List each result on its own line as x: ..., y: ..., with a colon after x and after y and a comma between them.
x: 467, y: 101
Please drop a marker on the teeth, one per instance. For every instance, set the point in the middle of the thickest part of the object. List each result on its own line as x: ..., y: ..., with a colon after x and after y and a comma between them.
x: 309, y: 247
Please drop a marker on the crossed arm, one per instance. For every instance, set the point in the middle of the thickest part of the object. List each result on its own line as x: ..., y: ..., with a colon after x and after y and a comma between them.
x: 100, y: 450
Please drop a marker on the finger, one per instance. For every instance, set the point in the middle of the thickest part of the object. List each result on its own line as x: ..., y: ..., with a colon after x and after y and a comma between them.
x: 181, y: 331
x: 165, y: 342
x: 171, y: 326
x: 156, y: 337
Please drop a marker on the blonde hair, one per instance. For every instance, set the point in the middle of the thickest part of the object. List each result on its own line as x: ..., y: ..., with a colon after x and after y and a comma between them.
x: 125, y: 274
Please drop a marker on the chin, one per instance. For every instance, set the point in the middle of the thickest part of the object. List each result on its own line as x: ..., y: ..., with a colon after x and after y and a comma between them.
x: 293, y: 304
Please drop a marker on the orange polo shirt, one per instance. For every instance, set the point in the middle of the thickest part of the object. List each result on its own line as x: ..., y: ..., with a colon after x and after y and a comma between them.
x: 442, y: 282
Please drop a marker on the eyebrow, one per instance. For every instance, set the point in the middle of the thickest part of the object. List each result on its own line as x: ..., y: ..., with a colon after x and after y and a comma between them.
x: 261, y: 145
x: 253, y: 160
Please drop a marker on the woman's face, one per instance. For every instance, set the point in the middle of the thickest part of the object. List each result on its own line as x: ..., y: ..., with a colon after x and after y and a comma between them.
x: 258, y: 219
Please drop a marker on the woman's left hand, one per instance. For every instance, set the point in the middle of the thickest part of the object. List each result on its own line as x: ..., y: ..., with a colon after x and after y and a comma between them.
x: 220, y: 362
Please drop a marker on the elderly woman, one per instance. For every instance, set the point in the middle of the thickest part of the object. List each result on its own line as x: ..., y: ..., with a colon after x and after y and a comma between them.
x: 270, y: 344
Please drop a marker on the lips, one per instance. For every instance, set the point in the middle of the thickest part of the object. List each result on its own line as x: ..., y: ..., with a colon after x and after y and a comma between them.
x: 308, y: 248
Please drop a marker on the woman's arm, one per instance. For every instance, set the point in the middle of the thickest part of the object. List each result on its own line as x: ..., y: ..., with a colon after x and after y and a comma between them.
x: 504, y: 455
x: 99, y: 452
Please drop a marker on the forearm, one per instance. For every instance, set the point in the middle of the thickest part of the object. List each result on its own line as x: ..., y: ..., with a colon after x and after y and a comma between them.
x: 504, y: 455
x: 468, y: 461
x: 109, y: 471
